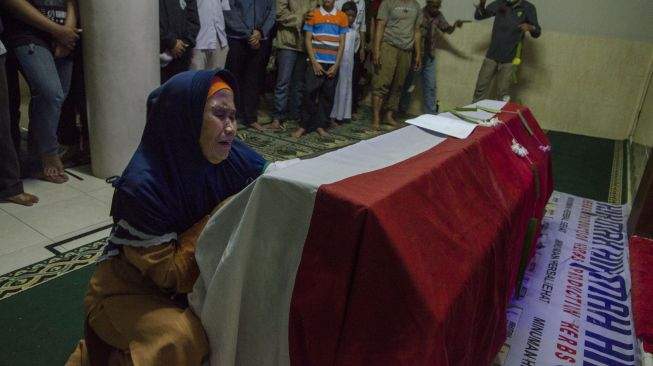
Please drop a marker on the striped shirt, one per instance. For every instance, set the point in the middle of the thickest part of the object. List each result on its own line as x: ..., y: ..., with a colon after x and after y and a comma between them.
x: 326, y: 28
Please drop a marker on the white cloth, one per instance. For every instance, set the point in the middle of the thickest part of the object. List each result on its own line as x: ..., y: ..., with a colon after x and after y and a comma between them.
x: 342, y: 100
x: 212, y: 32
x: 3, y: 50
x: 360, y: 18
x: 249, y: 252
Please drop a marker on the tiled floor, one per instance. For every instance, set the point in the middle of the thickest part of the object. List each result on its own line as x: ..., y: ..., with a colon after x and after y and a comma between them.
x: 68, y: 215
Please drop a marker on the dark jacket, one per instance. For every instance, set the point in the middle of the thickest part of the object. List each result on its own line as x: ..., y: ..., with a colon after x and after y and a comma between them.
x: 247, y: 15
x: 178, y: 19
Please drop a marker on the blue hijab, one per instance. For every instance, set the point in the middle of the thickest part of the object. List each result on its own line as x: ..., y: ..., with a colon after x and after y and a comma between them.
x: 169, y: 185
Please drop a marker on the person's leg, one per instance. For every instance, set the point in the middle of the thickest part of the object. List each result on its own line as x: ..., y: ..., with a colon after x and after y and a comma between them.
x: 11, y: 188
x: 218, y: 58
x: 237, y: 63
x: 428, y: 85
x: 14, y: 98
x: 504, y: 81
x: 309, y: 108
x: 485, y: 75
x: 285, y: 65
x: 404, y: 99
x: 325, y: 104
x: 154, y: 330
x: 296, y: 91
x: 47, y: 95
x: 356, y: 81
x: 382, y: 81
x: 199, y: 59
x: 251, y: 77
x: 401, y: 70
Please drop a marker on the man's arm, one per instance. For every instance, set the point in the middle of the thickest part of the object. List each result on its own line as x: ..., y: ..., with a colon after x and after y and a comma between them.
x: 418, y: 46
x: 66, y: 35
x: 286, y: 17
x: 270, y: 19
x: 483, y: 12
x: 333, y: 70
x: 378, y: 36
x: 531, y: 19
x: 234, y: 21
x: 192, y: 23
x: 308, y: 42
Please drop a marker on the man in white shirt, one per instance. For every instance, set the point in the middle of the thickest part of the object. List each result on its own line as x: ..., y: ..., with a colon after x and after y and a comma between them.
x: 211, y: 47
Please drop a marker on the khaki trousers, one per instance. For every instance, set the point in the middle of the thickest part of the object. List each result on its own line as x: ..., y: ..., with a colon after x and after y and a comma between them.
x: 389, y: 77
x: 489, y: 69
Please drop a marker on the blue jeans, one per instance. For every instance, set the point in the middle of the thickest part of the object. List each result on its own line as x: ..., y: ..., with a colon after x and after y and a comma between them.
x: 427, y: 73
x: 49, y: 82
x: 291, y: 67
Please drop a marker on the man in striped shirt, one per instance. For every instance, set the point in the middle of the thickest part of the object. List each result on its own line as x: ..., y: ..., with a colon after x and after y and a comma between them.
x: 325, y: 43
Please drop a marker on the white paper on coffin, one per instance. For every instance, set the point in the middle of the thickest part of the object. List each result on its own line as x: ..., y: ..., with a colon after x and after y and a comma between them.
x: 447, y: 126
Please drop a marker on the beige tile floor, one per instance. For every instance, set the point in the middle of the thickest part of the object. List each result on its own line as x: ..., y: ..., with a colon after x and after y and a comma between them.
x: 68, y: 215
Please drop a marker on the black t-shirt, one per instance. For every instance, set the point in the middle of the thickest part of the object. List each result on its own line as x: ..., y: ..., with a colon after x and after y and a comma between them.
x: 505, y: 32
x: 18, y: 33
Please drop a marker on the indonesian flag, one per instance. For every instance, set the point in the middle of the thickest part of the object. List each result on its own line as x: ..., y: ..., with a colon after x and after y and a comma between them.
x: 399, y: 250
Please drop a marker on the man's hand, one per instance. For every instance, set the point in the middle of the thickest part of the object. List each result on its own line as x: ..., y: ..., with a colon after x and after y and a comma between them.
x: 418, y: 62
x: 333, y: 70
x: 178, y: 49
x: 66, y: 36
x: 525, y: 27
x: 308, y: 16
x: 254, y: 40
x: 317, y: 68
x: 376, y: 57
x: 60, y: 51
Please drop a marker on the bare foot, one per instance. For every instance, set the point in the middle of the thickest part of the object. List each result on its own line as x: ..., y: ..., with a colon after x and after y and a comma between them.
x: 389, y: 120
x: 297, y: 134
x: 257, y: 126
x: 375, y: 125
x: 52, y: 170
x: 276, y: 126
x: 24, y: 199
x: 322, y: 132
x: 333, y: 124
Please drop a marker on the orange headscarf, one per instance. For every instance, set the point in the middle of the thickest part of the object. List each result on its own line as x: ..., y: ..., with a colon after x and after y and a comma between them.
x: 217, y: 84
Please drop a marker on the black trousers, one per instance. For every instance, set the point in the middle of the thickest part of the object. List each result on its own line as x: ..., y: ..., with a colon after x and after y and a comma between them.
x: 319, y: 92
x: 75, y: 104
x: 248, y: 66
x: 10, y: 184
x: 11, y: 68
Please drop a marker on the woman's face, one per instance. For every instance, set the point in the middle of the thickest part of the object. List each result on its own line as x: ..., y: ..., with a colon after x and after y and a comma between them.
x: 218, y: 126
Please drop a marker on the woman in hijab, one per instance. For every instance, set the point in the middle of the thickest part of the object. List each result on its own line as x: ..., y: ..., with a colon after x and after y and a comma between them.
x: 187, y: 163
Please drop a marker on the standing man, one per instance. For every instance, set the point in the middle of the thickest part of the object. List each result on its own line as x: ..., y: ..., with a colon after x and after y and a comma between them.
x: 43, y: 34
x: 397, y: 32
x: 179, y: 24
x: 432, y: 23
x: 249, y: 23
x: 211, y: 46
x: 291, y: 59
x: 512, y: 19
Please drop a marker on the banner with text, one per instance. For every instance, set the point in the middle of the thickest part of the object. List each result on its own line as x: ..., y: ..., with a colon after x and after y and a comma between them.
x: 574, y: 306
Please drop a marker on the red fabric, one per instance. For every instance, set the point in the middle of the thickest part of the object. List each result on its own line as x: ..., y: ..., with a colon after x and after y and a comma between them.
x: 641, y: 273
x: 414, y: 264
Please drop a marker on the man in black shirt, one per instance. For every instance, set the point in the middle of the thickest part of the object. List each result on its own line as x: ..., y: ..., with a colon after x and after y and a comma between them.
x: 512, y: 19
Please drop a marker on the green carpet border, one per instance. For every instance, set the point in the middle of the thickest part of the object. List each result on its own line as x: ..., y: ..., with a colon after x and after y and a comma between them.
x: 38, y: 273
